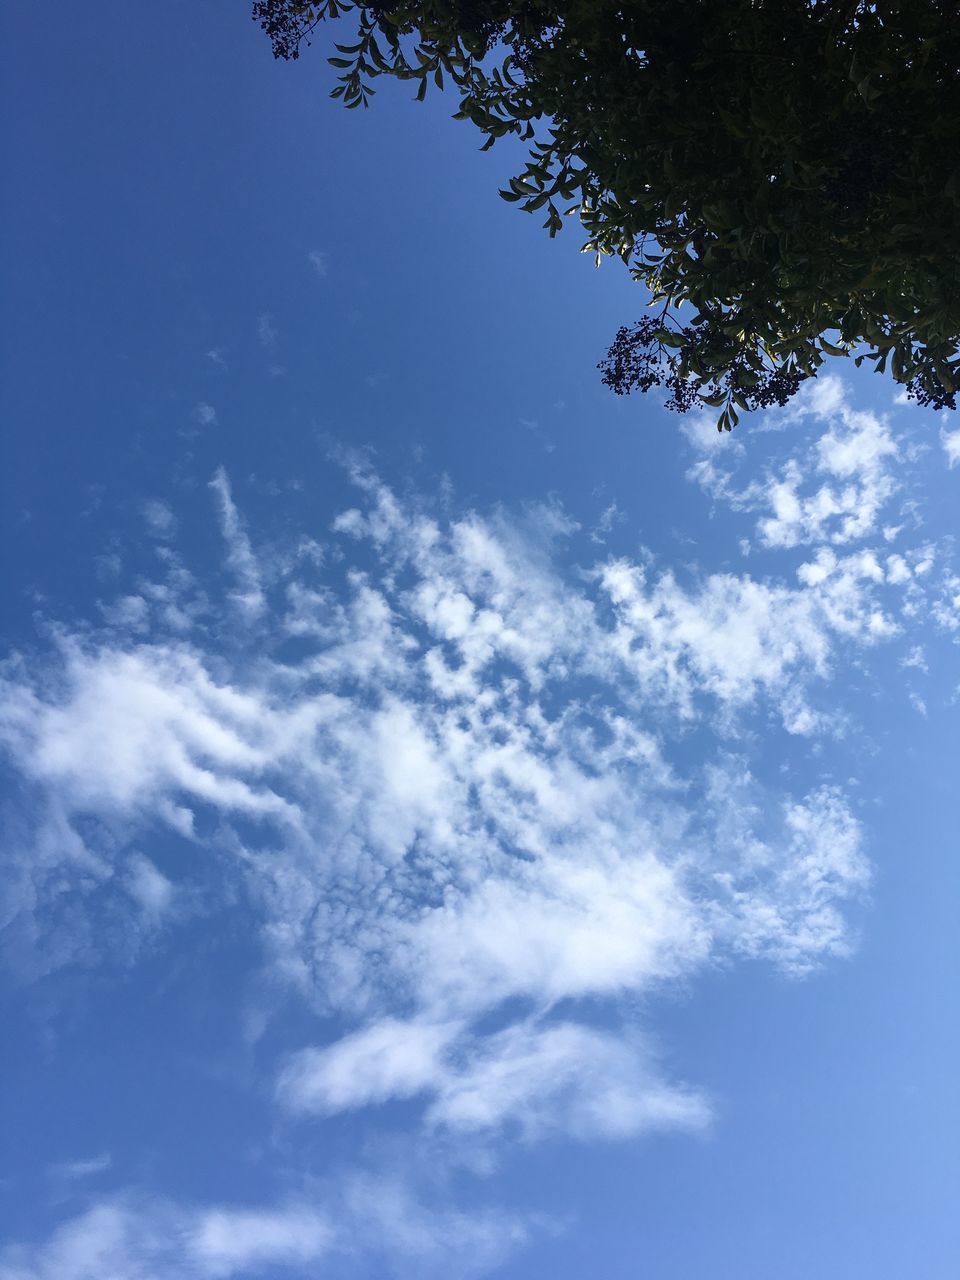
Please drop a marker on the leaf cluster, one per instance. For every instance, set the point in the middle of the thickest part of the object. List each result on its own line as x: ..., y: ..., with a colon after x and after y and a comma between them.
x: 785, y: 172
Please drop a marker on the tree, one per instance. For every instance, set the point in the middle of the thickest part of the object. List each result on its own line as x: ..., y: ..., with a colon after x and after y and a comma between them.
x: 782, y: 175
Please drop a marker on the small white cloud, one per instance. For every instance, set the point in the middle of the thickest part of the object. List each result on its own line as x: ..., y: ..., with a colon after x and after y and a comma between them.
x: 240, y: 558
x: 205, y: 414
x: 77, y: 1169
x: 610, y: 516
x: 130, y: 730
x: 128, y: 613
x: 785, y: 894
x: 565, y: 1078
x: 916, y: 658
x: 389, y: 1059
x: 227, y: 1241
x: 373, y: 1221
x: 898, y: 571
x: 135, y: 1240
x: 159, y: 518
x: 267, y: 331
x: 825, y: 396
x: 536, y: 1079
x: 831, y: 490
x: 951, y: 446
x: 148, y: 886
x: 318, y: 260
x: 701, y: 430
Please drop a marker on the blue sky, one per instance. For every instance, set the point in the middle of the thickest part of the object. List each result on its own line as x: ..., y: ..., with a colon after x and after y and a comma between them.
x: 454, y: 821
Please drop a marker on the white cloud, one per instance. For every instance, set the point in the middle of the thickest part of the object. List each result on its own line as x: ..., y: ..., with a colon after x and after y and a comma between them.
x: 205, y: 414
x: 610, y: 516
x: 431, y: 1240
x: 128, y: 613
x: 227, y: 1241
x: 465, y: 816
x: 946, y: 608
x: 916, y: 658
x: 71, y: 1170
x: 267, y: 331
x: 590, y: 919
x: 825, y: 396
x: 129, y: 728
x: 240, y: 558
x: 537, y: 1078
x: 105, y: 1243
x: 459, y: 800
x: 829, y: 490
x: 363, y: 1226
x: 126, y: 1238
x: 148, y: 886
x: 731, y: 636
x: 951, y: 446
x: 701, y: 431
x: 388, y: 1059
x: 786, y: 891
x: 159, y: 518
x: 318, y: 260
x: 562, y: 1077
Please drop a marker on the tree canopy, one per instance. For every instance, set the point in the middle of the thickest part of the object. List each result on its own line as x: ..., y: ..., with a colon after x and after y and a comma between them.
x: 783, y: 176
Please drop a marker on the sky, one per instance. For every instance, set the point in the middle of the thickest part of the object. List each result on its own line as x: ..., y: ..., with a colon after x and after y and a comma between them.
x: 454, y: 821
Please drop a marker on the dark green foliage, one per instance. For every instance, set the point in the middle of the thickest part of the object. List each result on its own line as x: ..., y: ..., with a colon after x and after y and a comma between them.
x: 785, y: 172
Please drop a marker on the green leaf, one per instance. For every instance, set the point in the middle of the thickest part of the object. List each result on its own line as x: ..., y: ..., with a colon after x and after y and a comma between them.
x: 831, y: 349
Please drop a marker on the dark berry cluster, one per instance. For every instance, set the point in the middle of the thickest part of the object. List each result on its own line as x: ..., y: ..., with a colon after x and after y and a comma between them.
x: 927, y: 397
x: 776, y: 388
x: 638, y: 360
x: 634, y: 361
x: 286, y: 25
x: 684, y: 393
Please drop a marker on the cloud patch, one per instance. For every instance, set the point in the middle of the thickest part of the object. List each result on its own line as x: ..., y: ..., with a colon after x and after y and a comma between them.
x: 362, y: 1227
x: 829, y: 490
x: 463, y: 796
x: 319, y: 262
x: 482, y: 794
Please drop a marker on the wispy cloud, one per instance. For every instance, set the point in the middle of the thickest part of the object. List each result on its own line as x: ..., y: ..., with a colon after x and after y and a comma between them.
x: 318, y: 260
x: 532, y: 1078
x: 160, y: 1240
x: 610, y: 516
x: 71, y: 1170
x: 461, y: 813
x: 951, y: 446
x: 223, y: 1242
x: 205, y: 414
x: 148, y: 886
x: 267, y: 331
x: 829, y: 490
x: 159, y: 518
x: 483, y: 754
x: 364, y: 1223
x: 240, y: 558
